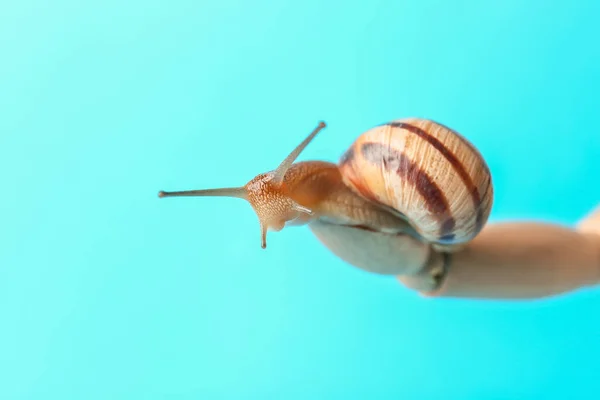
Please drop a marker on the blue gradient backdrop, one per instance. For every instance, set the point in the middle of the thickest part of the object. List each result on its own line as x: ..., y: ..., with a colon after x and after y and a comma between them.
x: 107, y: 292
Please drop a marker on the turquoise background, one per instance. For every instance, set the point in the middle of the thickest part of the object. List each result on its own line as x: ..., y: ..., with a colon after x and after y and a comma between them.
x: 107, y: 292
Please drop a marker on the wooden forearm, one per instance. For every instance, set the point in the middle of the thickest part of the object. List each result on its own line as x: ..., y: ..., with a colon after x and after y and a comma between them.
x: 591, y: 222
x: 517, y: 261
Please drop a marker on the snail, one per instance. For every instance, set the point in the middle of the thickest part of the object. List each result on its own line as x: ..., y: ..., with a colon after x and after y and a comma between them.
x: 411, y: 177
x: 412, y: 198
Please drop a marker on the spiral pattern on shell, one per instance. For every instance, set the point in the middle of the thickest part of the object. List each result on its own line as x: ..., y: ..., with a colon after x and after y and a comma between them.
x: 427, y: 172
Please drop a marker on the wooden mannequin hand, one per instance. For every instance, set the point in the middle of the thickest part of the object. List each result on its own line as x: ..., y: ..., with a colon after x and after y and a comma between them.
x: 512, y: 260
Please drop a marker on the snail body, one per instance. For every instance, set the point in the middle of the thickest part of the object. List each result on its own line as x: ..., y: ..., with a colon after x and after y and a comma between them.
x: 411, y: 177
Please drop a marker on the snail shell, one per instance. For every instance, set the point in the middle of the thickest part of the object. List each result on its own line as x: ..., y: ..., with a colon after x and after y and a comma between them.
x: 428, y: 173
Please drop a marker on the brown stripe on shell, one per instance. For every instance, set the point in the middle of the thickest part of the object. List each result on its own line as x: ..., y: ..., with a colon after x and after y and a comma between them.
x: 348, y: 158
x: 448, y: 226
x: 451, y: 158
x: 483, y: 165
x: 434, y: 197
x: 462, y: 139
